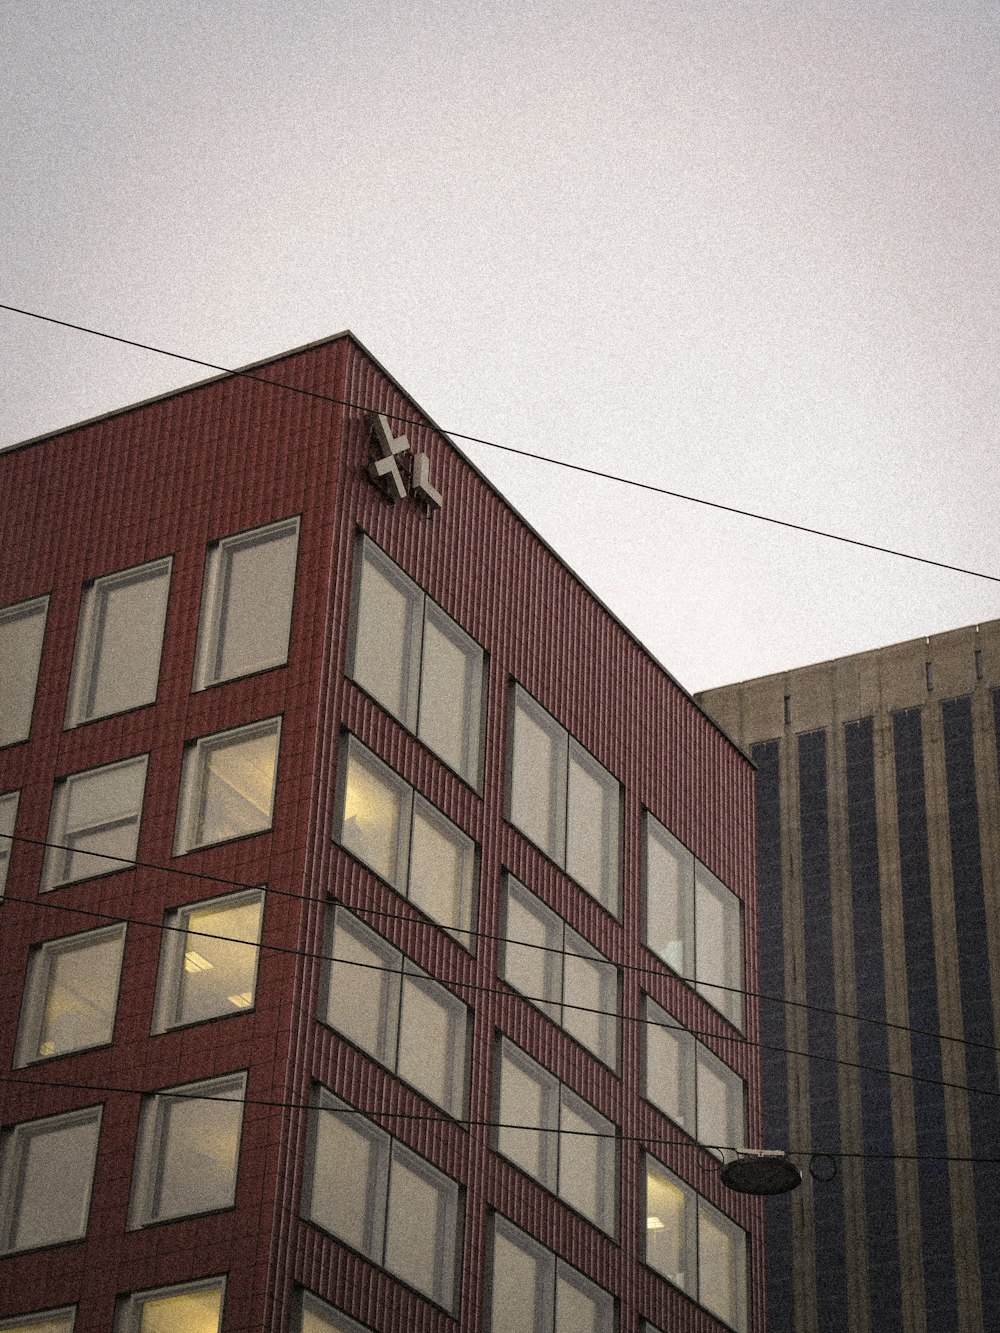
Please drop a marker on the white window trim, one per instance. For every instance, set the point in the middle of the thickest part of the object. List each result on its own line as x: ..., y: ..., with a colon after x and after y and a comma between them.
x: 59, y: 834
x: 36, y: 991
x: 209, y: 623
x: 14, y: 1143
x: 173, y: 947
x: 150, y: 1146
x: 22, y: 610
x: 190, y: 791
x: 128, y: 1316
x: 82, y: 678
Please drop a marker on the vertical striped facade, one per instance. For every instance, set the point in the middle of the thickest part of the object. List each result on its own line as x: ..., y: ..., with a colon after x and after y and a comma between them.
x: 878, y: 821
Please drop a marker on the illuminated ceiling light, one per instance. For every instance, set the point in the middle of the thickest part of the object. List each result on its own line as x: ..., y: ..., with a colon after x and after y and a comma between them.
x: 242, y: 1001
x: 653, y: 1224
x: 194, y: 962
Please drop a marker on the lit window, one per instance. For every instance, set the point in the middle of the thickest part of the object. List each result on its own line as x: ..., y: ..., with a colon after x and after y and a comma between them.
x: 693, y: 922
x: 208, y: 960
x: 407, y: 842
x: 187, y: 1150
x: 532, y: 1289
x: 227, y: 785
x: 690, y: 1084
x: 392, y: 1010
x: 22, y: 629
x: 315, y: 1316
x: 567, y: 1146
x: 246, y: 603
x: 417, y: 662
x: 564, y: 801
x: 49, y: 1321
x: 94, y: 826
x: 116, y: 664
x: 8, y: 814
x: 45, y: 1180
x: 383, y: 1200
x: 71, y: 994
x: 557, y: 970
x: 694, y: 1246
x: 195, y: 1307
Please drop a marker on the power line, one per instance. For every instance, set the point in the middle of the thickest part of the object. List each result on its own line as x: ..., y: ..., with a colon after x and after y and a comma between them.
x: 541, y: 1002
x: 510, y: 449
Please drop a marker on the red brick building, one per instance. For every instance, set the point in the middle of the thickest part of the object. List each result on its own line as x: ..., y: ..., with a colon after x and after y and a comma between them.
x: 355, y: 857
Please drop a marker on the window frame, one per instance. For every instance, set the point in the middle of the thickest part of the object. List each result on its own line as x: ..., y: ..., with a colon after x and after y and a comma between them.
x: 89, y: 640
x: 211, y: 630
x: 38, y: 981
x: 695, y: 882
x: 173, y: 958
x: 306, y: 1302
x: 9, y: 802
x: 59, y: 834
x: 456, y: 1058
x: 15, y: 1142
x: 550, y: 1269
x: 567, y: 752
x: 39, y: 1318
x: 423, y: 608
x: 194, y: 766
x: 129, y: 1307
x: 29, y: 609
x: 152, y: 1146
x: 571, y: 945
x: 413, y: 806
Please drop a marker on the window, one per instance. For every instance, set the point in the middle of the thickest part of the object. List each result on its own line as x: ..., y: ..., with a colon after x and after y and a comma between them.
x: 380, y: 1198
x: 315, y: 1316
x: 46, y: 1174
x: 71, y: 994
x: 116, y: 664
x: 22, y: 629
x: 227, y: 785
x: 533, y: 1291
x: 208, y: 960
x: 49, y: 1321
x: 693, y: 922
x: 690, y: 1084
x: 94, y: 826
x: 195, y: 1307
x: 381, y: 1002
x: 187, y: 1150
x: 564, y: 801
x: 406, y: 841
x: 695, y: 1247
x: 557, y: 970
x: 246, y: 603
x: 8, y: 815
x: 417, y: 662
x: 566, y: 1145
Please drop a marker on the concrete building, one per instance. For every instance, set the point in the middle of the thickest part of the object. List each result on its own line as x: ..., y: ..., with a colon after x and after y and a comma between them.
x: 878, y: 823
x: 376, y: 924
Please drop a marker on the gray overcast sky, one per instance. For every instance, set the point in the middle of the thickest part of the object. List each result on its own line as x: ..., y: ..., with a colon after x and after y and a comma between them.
x: 748, y: 252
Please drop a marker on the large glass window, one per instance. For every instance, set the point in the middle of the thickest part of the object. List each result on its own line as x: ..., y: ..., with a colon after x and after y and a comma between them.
x: 94, y: 825
x: 417, y: 662
x: 533, y: 1291
x: 564, y: 801
x: 22, y: 629
x: 227, y: 785
x: 315, y: 1316
x: 71, y: 994
x: 46, y: 1173
x: 380, y: 1198
x: 693, y: 921
x: 406, y: 841
x: 208, y: 960
x: 557, y: 970
x: 695, y: 1246
x: 48, y: 1321
x: 246, y: 603
x: 396, y: 1013
x: 556, y: 1137
x: 8, y: 816
x: 194, y: 1307
x: 187, y: 1150
x: 690, y: 1084
x: 116, y: 664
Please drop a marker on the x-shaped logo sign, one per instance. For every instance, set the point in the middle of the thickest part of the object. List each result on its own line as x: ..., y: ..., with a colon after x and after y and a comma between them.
x: 384, y: 471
